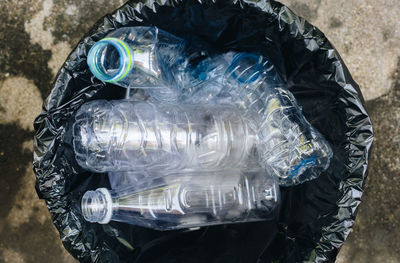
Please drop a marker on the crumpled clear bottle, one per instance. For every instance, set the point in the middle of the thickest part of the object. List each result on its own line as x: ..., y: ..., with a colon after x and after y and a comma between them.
x: 185, y: 200
x: 127, y: 135
x: 151, y: 59
x: 289, y: 147
x: 140, y: 57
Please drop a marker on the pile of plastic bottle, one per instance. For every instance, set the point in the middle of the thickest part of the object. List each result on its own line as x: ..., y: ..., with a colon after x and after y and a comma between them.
x: 209, y: 143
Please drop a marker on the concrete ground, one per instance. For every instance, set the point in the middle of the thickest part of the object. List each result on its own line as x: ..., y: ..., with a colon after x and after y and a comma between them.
x: 37, y: 35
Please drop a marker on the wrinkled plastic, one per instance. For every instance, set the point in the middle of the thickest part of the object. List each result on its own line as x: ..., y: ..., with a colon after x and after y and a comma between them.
x: 289, y: 147
x: 185, y: 200
x: 140, y: 57
x: 125, y: 135
x: 136, y: 177
x: 316, y: 217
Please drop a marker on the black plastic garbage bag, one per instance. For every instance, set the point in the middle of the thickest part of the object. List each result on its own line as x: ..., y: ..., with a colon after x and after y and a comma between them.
x: 315, y: 217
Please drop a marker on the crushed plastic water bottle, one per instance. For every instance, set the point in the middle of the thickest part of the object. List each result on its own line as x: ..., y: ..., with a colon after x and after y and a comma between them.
x: 185, y: 200
x: 149, y: 58
x: 133, y: 178
x: 140, y: 57
x: 125, y: 135
x: 289, y: 147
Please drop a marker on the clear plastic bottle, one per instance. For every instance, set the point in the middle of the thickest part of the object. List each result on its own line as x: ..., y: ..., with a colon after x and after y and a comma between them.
x: 127, y: 135
x: 186, y: 200
x: 131, y: 178
x: 140, y: 57
x: 152, y: 59
x: 289, y: 147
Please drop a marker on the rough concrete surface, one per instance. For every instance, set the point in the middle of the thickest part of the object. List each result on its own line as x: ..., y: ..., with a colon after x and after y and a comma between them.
x: 37, y: 35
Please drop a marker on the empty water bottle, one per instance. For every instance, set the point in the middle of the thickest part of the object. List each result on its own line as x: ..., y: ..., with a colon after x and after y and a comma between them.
x: 186, y: 200
x: 149, y: 58
x: 140, y: 57
x: 132, y: 178
x: 289, y: 147
x: 130, y: 135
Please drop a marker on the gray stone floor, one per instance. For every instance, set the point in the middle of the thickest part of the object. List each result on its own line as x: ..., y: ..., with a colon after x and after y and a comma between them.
x: 37, y: 35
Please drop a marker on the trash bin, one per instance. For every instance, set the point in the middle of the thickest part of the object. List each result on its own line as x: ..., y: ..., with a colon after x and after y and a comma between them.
x: 315, y: 217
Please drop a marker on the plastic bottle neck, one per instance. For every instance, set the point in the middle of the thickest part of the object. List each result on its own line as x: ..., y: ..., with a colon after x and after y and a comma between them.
x: 110, y: 59
x: 97, y: 206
